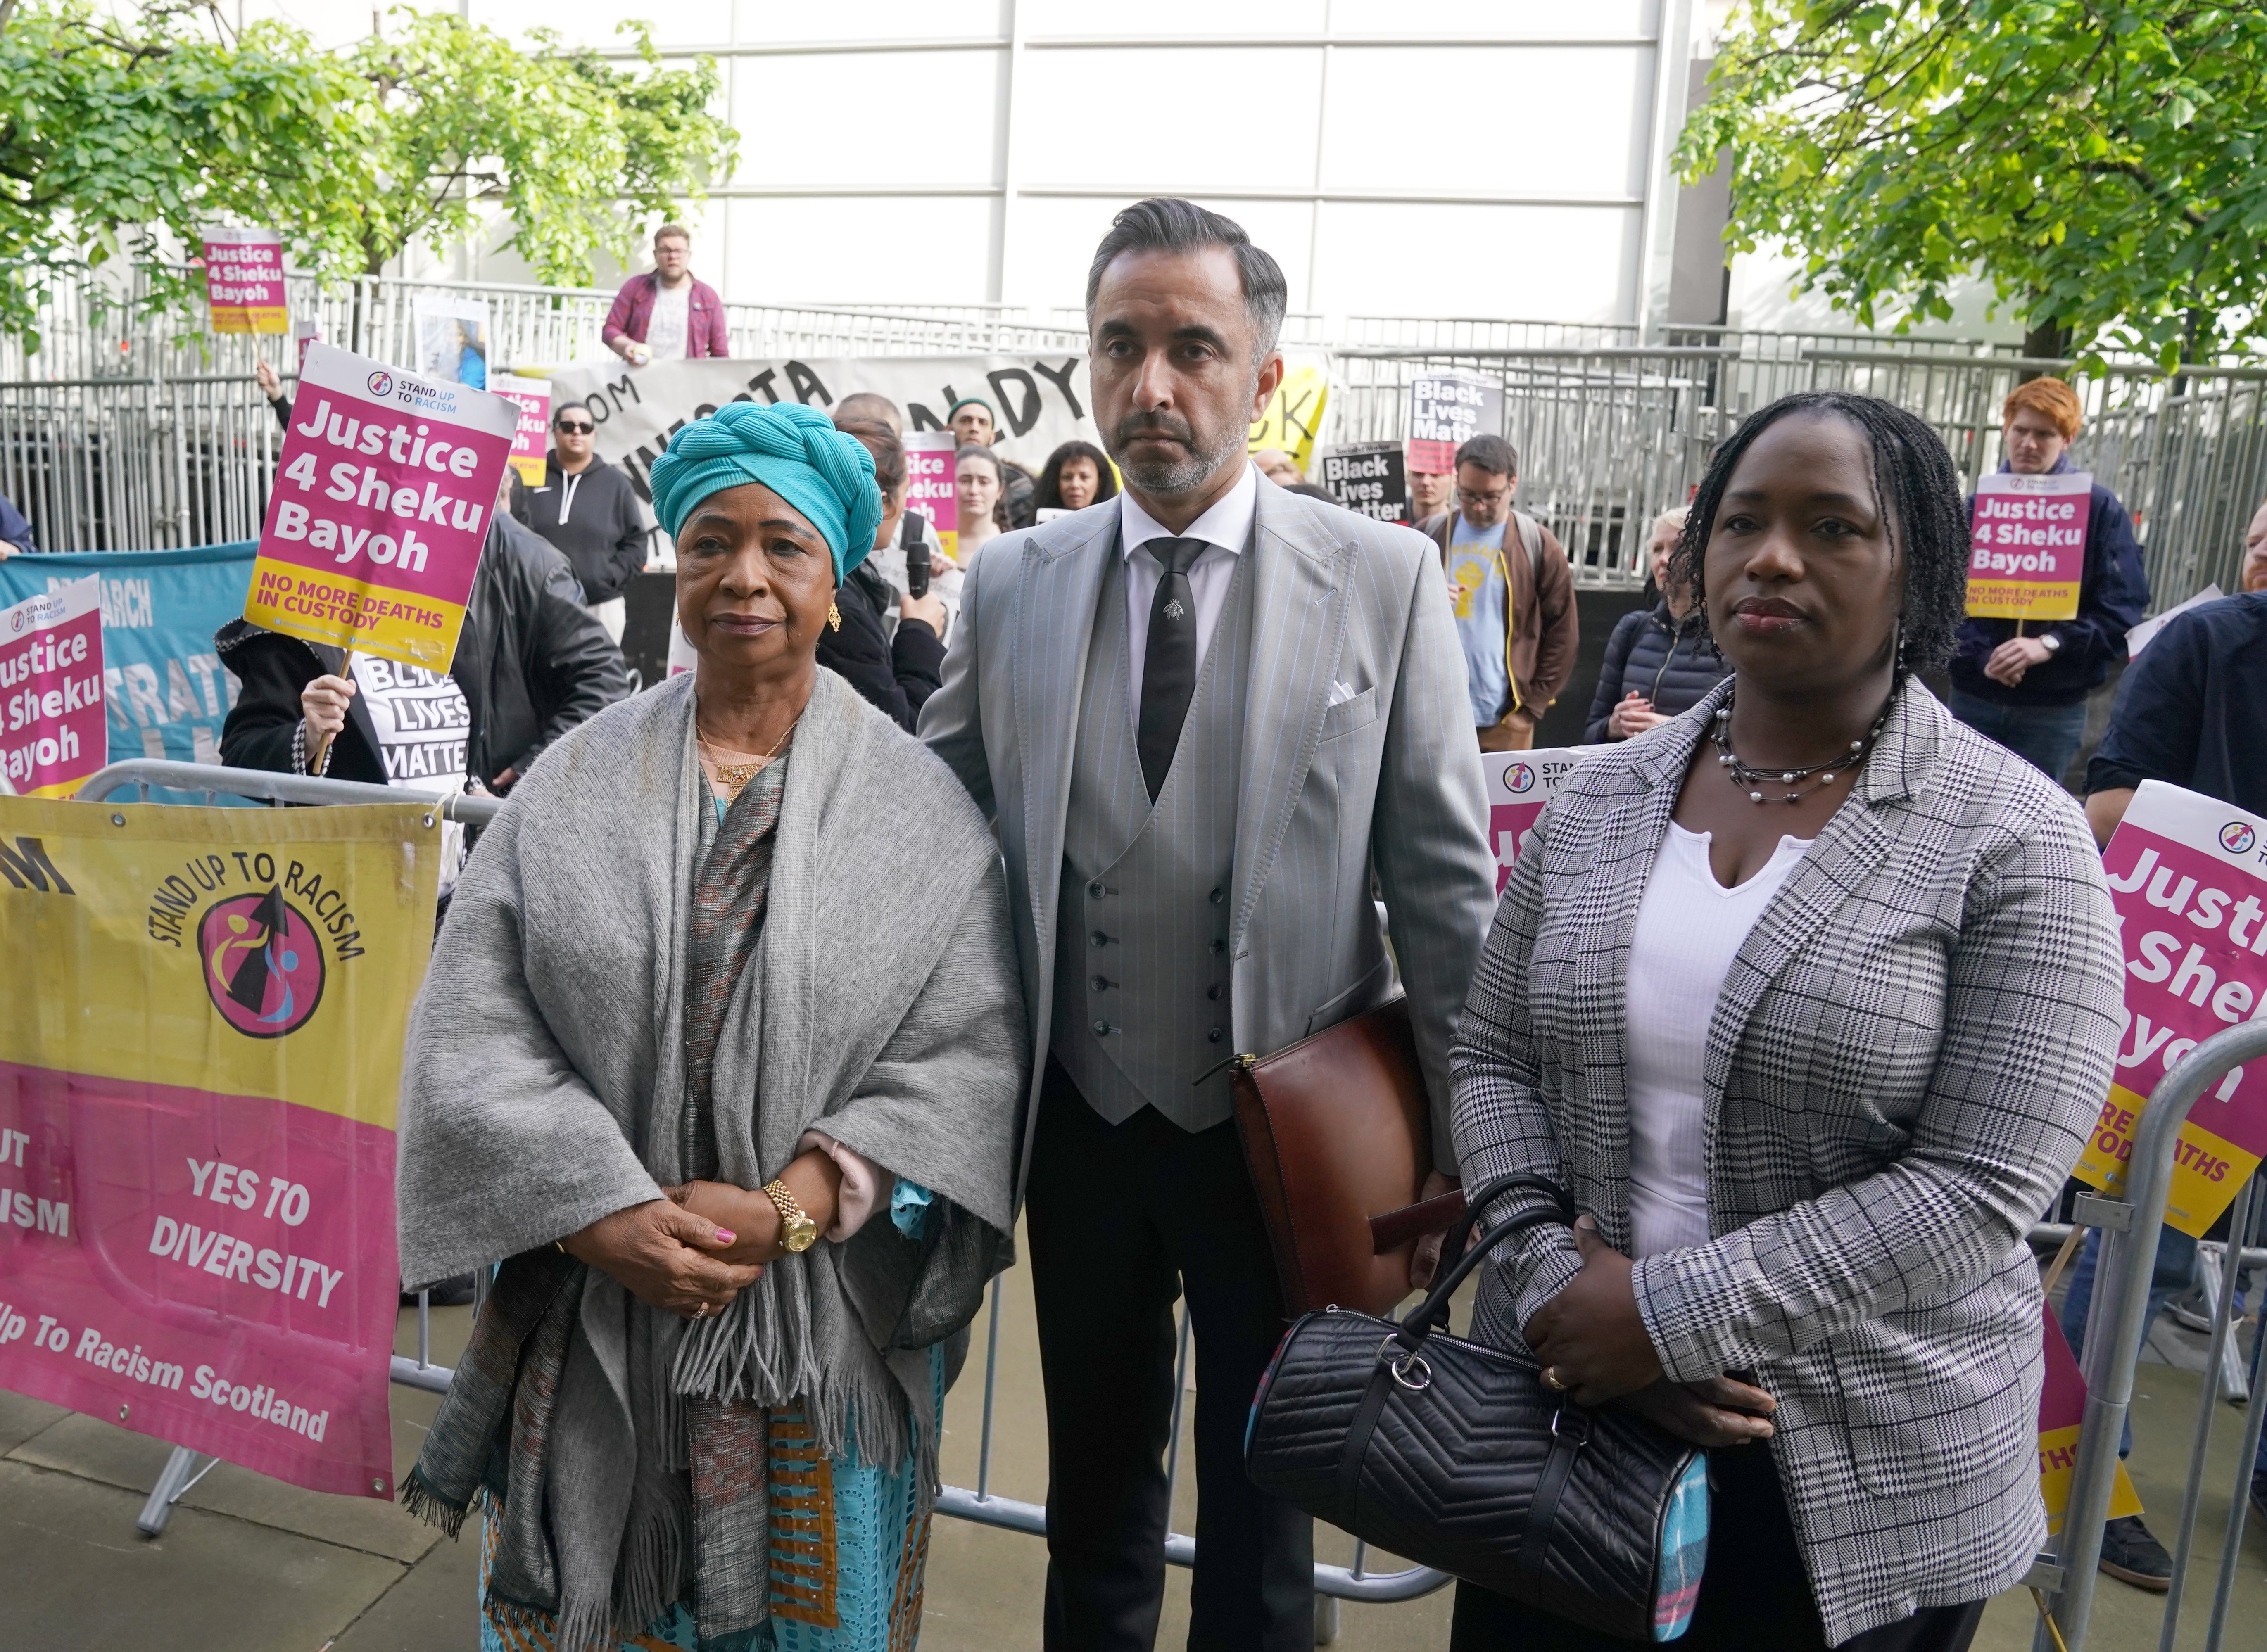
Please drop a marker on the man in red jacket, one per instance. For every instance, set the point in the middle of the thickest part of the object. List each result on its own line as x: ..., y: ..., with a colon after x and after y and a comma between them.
x: 665, y: 315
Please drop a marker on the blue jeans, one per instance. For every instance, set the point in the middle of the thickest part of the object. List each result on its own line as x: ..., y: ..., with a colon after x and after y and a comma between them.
x: 2175, y: 1269
x: 2047, y: 737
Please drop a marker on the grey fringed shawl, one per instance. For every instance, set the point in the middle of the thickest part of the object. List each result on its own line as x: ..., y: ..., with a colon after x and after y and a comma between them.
x: 545, y: 1087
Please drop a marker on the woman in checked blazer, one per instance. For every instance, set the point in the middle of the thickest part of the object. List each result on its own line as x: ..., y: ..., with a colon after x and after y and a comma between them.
x: 1807, y: 996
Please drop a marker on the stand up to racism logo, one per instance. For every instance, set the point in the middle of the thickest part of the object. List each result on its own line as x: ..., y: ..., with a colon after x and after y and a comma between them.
x: 263, y: 963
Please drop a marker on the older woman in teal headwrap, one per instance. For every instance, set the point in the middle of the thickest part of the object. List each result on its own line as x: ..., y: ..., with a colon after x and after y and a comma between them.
x: 736, y: 1109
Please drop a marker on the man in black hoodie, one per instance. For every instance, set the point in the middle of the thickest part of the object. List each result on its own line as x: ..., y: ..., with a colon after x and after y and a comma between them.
x: 590, y: 511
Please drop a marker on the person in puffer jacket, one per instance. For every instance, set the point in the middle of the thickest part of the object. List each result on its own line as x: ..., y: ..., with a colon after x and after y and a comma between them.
x: 1656, y: 664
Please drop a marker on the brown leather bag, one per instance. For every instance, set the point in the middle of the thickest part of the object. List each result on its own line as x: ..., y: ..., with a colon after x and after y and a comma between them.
x: 1336, y: 1130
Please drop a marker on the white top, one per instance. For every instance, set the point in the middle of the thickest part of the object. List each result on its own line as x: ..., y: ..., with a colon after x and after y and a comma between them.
x: 1226, y: 528
x: 664, y: 333
x: 1689, y: 927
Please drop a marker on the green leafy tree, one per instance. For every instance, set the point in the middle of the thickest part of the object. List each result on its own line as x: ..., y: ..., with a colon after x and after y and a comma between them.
x: 2097, y: 162
x: 124, y: 137
x: 577, y: 149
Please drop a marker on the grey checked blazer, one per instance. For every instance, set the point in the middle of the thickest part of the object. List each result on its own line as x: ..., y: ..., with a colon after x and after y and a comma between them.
x: 1908, y: 1051
x: 1358, y: 754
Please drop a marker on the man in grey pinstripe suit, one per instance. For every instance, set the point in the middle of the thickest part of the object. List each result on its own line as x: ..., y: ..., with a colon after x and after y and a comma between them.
x: 1202, y: 716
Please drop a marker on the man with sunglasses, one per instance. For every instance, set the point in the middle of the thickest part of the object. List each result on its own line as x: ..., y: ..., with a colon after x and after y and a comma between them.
x: 1513, y: 597
x: 590, y: 511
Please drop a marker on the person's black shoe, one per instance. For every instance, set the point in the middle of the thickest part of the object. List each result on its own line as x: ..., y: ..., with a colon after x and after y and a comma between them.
x: 2130, y: 1553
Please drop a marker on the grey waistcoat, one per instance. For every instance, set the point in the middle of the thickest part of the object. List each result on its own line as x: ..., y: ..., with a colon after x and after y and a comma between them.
x: 1141, y: 965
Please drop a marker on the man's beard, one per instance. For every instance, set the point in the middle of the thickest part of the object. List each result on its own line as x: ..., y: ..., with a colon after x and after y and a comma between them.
x: 1170, y: 477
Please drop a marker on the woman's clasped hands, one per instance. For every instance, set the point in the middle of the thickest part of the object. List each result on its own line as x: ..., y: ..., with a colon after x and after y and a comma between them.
x: 668, y: 1257
x: 1593, y: 1346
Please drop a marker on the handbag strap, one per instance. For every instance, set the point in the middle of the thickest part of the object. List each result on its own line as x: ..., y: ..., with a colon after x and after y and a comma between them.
x: 1421, y: 1321
x: 1570, y: 1432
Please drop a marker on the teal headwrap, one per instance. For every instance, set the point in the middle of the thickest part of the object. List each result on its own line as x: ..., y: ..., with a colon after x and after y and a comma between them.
x: 794, y: 451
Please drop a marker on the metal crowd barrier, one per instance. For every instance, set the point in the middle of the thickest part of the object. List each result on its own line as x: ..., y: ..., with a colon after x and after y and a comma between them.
x: 184, y: 1468
x: 2116, y: 1325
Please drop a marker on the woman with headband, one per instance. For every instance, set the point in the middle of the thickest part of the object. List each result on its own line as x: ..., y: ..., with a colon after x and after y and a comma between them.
x: 736, y: 1118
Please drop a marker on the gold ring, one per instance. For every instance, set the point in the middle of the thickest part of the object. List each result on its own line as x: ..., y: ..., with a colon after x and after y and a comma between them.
x: 701, y: 1312
x: 1552, y: 1380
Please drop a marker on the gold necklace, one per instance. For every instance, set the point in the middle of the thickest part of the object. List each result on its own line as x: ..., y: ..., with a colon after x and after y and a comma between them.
x: 737, y: 775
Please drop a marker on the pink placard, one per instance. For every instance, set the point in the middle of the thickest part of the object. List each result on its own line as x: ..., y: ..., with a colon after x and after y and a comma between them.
x: 216, y: 1270
x: 929, y: 484
x: 244, y: 281
x: 381, y: 504
x: 54, y: 729
x: 2027, y: 550
x: 532, y: 441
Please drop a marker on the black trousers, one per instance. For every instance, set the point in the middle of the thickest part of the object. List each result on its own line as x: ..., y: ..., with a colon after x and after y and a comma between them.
x: 1122, y: 1219
x: 1754, y: 1594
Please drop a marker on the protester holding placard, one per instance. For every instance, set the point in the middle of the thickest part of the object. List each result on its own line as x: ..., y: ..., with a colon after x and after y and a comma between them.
x: 531, y: 663
x: 590, y: 511
x: 928, y: 517
x: 1806, y: 997
x: 1431, y: 492
x: 2023, y: 682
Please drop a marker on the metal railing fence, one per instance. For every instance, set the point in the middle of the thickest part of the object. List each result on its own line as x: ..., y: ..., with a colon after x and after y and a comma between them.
x: 1611, y: 434
x: 125, y: 429
x: 2116, y: 1324
x: 981, y: 1506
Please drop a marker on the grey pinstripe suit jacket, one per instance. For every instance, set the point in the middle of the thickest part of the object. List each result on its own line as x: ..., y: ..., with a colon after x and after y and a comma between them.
x: 1382, y: 771
x: 1908, y: 1051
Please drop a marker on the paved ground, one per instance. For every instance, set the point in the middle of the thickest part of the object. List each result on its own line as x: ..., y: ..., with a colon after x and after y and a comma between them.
x: 249, y: 1565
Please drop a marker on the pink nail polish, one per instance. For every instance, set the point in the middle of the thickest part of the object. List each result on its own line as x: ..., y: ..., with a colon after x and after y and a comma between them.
x: 724, y: 1236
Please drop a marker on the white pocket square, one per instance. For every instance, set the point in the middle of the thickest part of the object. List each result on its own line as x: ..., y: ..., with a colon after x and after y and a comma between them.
x: 1340, y: 694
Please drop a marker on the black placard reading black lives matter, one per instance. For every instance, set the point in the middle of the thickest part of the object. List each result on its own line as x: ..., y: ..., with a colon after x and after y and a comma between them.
x: 1369, y: 477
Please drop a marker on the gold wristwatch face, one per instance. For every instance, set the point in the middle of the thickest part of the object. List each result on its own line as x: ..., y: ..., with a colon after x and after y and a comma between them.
x: 799, y: 1234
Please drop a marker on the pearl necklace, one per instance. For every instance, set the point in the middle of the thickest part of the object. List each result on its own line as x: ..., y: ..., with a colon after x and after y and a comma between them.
x: 1752, y: 780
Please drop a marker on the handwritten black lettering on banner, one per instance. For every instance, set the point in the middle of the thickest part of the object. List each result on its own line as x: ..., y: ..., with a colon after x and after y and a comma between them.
x: 1039, y: 402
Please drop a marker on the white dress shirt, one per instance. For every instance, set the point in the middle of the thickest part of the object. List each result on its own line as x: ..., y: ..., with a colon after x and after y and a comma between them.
x: 1226, y: 528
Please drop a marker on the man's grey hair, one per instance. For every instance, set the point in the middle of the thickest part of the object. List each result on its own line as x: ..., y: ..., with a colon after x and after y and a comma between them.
x: 1169, y: 225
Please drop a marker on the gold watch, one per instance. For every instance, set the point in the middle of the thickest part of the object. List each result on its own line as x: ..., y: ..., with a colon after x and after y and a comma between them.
x: 798, y: 1231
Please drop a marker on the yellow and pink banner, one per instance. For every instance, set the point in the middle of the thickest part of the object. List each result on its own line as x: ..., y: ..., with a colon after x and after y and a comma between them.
x: 197, y: 1094
x: 2027, y: 552
x: 381, y: 504
x: 2188, y: 876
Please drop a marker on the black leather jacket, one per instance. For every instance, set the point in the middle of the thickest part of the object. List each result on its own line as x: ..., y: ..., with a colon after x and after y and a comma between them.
x: 532, y: 661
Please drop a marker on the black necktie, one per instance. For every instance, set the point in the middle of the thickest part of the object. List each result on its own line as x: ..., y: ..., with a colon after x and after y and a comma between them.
x: 1169, y: 664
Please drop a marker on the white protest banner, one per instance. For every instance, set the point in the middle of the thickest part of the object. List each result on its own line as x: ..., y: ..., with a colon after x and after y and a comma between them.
x: 2027, y: 549
x: 1042, y: 400
x: 1447, y: 410
x: 2188, y: 876
x: 56, y: 727
x: 1519, y: 784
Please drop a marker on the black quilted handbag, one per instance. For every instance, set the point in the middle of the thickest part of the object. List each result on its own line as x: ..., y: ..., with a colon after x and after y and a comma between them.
x: 1456, y: 1456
